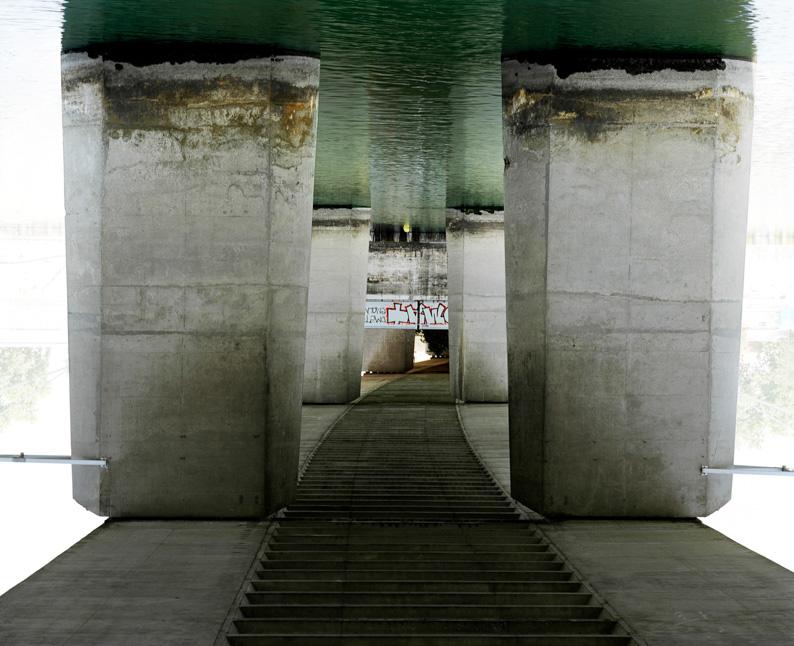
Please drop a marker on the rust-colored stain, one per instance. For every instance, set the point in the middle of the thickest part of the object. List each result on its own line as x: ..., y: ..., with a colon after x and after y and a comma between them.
x: 562, y: 116
x: 730, y: 92
x: 273, y: 110
x: 295, y: 121
x: 590, y: 114
x: 734, y: 109
x: 705, y: 93
x: 522, y: 100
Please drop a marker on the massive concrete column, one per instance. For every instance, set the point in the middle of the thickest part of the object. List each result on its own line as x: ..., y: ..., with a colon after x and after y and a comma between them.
x: 188, y: 200
x: 337, y: 293
x: 626, y: 187
x: 476, y: 283
x: 390, y: 351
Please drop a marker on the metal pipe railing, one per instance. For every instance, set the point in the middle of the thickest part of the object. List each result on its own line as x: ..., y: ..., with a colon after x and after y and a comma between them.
x: 742, y: 469
x: 55, y: 459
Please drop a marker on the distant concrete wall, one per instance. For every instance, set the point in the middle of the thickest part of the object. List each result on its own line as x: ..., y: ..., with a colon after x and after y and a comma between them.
x: 388, y: 350
x: 477, y: 328
x: 407, y: 270
x: 337, y: 292
x: 188, y: 200
x: 626, y: 184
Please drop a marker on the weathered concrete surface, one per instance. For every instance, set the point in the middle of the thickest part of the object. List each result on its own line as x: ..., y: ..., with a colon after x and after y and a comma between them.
x: 135, y: 582
x: 477, y: 327
x: 407, y: 270
x: 625, y: 217
x: 388, y: 350
x: 677, y: 583
x: 680, y: 583
x: 337, y: 293
x: 188, y: 201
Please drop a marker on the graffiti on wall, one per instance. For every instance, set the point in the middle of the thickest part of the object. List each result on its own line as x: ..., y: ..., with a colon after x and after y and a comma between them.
x: 406, y: 315
x: 433, y: 315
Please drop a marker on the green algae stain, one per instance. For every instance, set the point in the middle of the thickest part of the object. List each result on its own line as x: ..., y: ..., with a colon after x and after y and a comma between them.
x: 410, y: 115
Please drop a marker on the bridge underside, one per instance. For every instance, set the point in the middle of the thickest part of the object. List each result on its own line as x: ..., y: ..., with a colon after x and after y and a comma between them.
x: 189, y: 195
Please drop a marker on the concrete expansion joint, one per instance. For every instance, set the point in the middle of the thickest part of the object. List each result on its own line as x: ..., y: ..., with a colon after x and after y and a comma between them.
x: 628, y: 329
x: 634, y: 297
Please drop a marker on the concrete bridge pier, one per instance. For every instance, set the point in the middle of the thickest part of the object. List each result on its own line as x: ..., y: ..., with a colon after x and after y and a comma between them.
x: 476, y: 284
x: 337, y: 294
x: 189, y: 180
x: 389, y: 351
x: 626, y: 185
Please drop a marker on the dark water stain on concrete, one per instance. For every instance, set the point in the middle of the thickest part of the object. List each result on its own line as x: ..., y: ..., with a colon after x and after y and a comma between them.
x: 574, y: 61
x: 144, y: 53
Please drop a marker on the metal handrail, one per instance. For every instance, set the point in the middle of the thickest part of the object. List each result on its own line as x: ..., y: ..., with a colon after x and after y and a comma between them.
x: 742, y: 469
x: 55, y: 459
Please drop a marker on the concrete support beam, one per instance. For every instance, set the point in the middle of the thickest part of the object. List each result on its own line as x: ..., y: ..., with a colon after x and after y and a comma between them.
x: 407, y: 271
x: 626, y: 185
x: 477, y: 329
x: 188, y: 201
x: 337, y: 293
x: 388, y: 350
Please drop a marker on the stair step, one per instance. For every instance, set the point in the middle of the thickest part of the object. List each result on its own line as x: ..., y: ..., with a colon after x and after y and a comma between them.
x: 398, y: 536
x: 430, y: 505
x: 550, y: 584
x: 354, y: 557
x: 417, y: 597
x: 418, y: 566
x: 399, y: 514
x: 488, y: 612
x: 487, y: 530
x: 327, y: 574
x: 415, y: 548
x: 428, y: 640
x: 346, y: 497
x: 422, y: 627
x: 435, y: 508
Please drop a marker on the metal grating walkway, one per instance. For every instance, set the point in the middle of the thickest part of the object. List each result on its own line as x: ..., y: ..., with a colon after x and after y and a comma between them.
x: 399, y: 536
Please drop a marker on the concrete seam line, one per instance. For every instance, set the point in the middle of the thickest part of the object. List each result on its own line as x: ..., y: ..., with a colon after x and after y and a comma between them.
x: 220, y: 639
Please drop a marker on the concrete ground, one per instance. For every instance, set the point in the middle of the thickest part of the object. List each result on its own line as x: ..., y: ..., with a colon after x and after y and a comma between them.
x: 675, y: 583
x: 136, y: 583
